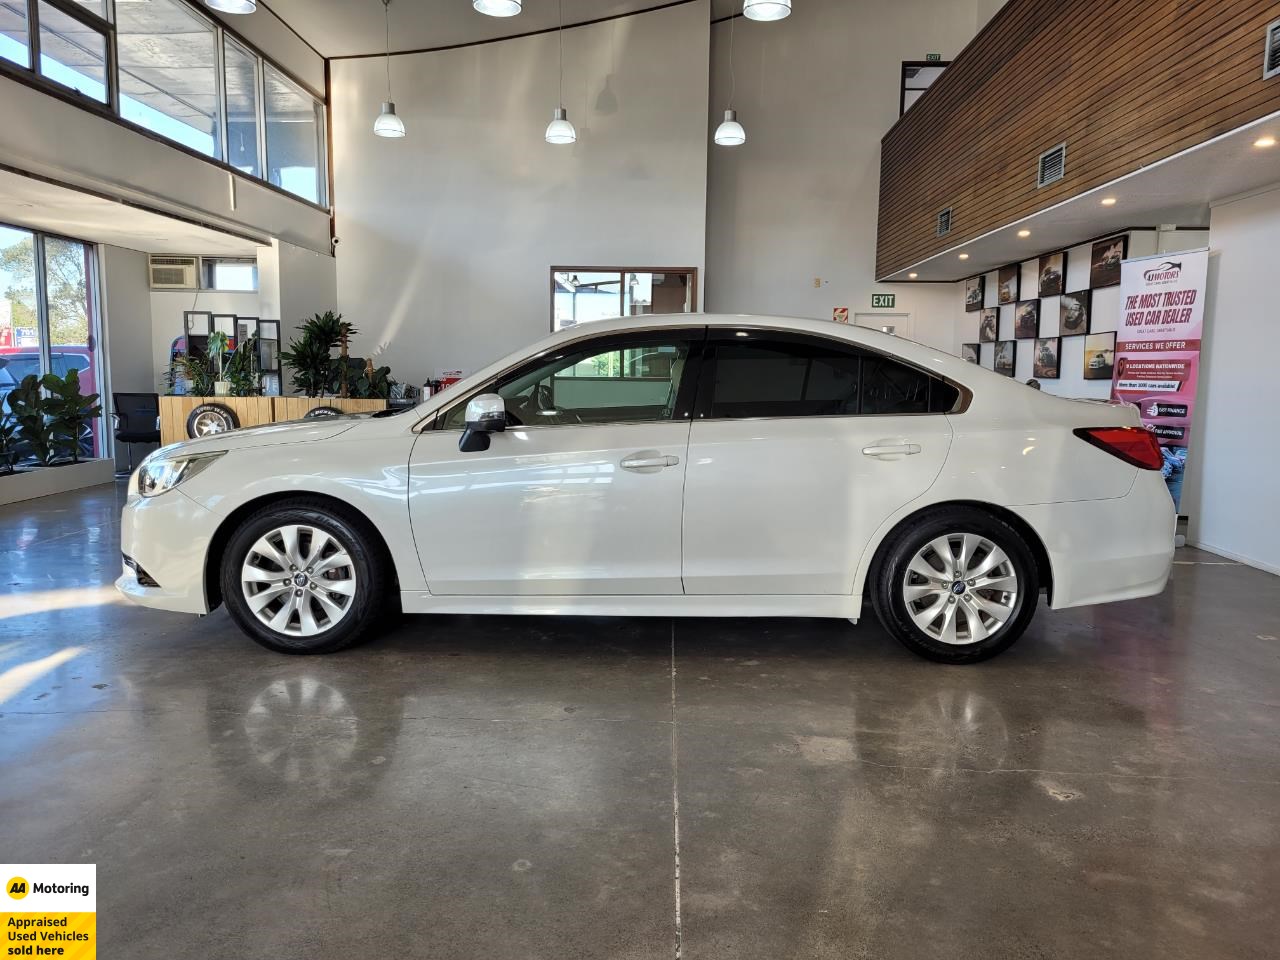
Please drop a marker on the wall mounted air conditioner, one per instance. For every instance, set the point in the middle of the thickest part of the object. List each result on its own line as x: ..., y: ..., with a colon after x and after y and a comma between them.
x: 174, y: 273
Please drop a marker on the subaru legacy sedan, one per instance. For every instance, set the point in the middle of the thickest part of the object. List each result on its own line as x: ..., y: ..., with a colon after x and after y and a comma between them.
x: 668, y: 466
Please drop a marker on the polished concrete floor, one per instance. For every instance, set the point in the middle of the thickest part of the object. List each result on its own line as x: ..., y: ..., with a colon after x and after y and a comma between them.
x: 470, y: 787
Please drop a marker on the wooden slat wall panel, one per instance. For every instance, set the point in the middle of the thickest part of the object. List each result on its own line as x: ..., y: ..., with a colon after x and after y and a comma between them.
x: 1123, y: 82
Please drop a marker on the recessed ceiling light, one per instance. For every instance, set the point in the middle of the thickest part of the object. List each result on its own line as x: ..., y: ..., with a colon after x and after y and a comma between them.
x: 964, y: 256
x: 1024, y: 233
x: 1267, y: 141
x: 1108, y: 201
x: 912, y: 276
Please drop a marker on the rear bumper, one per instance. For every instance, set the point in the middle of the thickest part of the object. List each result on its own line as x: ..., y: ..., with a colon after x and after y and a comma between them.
x: 168, y: 536
x: 1105, y: 550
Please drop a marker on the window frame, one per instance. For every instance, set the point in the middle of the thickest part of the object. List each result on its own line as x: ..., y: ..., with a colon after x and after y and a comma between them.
x: 31, y: 76
x: 691, y: 272
x: 97, y: 322
x: 703, y: 402
x: 696, y: 335
x: 902, y: 86
x: 322, y: 132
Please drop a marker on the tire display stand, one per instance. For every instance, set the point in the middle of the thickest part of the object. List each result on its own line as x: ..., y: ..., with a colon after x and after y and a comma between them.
x: 178, y: 413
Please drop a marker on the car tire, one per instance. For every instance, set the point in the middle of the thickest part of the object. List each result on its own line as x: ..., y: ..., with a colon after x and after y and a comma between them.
x: 209, y: 419
x: 332, y: 577
x: 924, y: 605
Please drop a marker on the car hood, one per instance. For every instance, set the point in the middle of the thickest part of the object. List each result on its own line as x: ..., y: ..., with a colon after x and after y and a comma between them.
x: 270, y: 435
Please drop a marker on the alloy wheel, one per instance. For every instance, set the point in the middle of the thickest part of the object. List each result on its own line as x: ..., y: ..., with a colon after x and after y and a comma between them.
x: 960, y: 588
x: 298, y: 580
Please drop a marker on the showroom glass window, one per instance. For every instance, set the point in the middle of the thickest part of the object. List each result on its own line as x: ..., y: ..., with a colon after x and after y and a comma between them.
x: 761, y: 374
x: 583, y: 294
x: 295, y: 134
x: 73, y: 51
x: 243, y: 100
x: 49, y: 315
x: 168, y: 57
x: 14, y: 30
x: 630, y: 378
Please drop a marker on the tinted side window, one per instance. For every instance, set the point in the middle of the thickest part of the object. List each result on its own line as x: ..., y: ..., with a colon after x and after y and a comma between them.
x: 763, y: 376
x: 780, y: 378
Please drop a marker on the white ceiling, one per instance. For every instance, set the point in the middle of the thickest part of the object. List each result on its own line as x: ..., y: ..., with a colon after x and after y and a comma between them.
x: 25, y: 202
x: 339, y: 28
x: 1175, y: 191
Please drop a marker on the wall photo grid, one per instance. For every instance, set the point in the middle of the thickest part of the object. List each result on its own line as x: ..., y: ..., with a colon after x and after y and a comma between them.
x: 1051, y: 317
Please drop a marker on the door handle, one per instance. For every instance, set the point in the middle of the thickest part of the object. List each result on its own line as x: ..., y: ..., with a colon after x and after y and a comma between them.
x: 648, y: 463
x: 889, y: 450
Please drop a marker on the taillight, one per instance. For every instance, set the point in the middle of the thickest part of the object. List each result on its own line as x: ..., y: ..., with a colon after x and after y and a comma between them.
x: 1131, y: 444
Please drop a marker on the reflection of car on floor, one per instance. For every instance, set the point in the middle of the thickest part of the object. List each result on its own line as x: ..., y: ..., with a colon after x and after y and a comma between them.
x: 753, y: 467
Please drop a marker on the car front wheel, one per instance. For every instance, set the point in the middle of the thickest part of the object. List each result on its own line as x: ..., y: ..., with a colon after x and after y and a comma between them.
x: 301, y: 577
x: 958, y: 585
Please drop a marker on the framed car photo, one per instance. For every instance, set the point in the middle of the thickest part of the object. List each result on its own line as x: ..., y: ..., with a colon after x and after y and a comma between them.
x: 1099, y: 356
x: 1006, y: 357
x: 975, y: 289
x: 1053, y: 274
x: 1104, y: 266
x: 1026, y: 320
x: 1073, y: 313
x: 1045, y: 358
x: 989, y: 325
x: 1007, y: 286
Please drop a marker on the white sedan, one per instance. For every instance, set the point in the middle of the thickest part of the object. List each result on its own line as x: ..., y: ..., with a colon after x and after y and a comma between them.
x: 669, y: 466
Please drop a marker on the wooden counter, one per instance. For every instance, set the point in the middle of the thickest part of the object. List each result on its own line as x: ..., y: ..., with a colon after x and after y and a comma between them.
x: 252, y: 411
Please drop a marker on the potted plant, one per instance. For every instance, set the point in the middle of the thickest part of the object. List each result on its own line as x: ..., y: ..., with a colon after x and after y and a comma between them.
x: 69, y: 411
x: 310, y: 356
x: 218, y: 343
x: 242, y: 371
x: 8, y: 443
x: 33, y: 427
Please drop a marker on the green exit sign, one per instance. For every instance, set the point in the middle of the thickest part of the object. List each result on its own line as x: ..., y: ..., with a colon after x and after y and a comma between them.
x: 933, y: 58
x: 879, y: 300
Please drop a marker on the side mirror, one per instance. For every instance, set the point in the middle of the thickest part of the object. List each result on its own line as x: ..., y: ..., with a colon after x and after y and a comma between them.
x: 486, y: 414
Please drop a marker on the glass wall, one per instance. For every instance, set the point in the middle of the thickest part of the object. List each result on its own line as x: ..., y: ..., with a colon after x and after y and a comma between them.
x: 180, y: 75
x: 73, y: 53
x: 14, y: 31
x: 580, y: 295
x: 55, y: 331
x: 168, y: 59
x: 295, y: 134
x: 242, y: 108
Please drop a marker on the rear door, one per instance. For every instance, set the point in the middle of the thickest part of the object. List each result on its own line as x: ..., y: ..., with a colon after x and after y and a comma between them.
x: 801, y: 447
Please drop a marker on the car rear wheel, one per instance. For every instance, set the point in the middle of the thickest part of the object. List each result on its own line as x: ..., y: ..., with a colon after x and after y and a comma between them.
x: 958, y: 585
x: 301, y: 577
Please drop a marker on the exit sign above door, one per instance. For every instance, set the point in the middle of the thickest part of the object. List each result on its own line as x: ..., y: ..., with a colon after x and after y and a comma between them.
x: 883, y: 300
x: 933, y: 58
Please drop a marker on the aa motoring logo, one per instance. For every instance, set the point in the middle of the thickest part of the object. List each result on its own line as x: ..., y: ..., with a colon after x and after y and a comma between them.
x: 1169, y: 270
x: 17, y: 887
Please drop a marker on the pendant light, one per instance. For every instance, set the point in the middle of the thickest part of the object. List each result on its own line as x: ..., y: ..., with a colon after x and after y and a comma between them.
x: 388, y: 124
x: 766, y: 9
x: 560, y: 130
x: 497, y: 8
x: 730, y: 132
x: 232, y: 6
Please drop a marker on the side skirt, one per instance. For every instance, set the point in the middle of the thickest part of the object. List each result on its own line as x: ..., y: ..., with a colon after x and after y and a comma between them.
x: 677, y: 605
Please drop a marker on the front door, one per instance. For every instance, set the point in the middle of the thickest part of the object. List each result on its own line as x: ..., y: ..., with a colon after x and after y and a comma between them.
x: 801, y: 447
x: 581, y: 495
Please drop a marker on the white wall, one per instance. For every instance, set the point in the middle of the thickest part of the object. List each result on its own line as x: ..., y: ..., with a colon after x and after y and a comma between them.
x: 1234, y: 458
x: 295, y: 283
x: 447, y: 236
x: 798, y: 200
x: 126, y: 314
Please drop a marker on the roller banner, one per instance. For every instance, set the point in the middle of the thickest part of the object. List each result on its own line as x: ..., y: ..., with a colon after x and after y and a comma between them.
x: 1157, y: 359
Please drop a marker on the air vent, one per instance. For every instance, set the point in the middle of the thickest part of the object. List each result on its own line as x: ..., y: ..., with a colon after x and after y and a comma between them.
x: 944, y: 222
x: 1052, y: 166
x: 1271, y: 56
x: 173, y: 273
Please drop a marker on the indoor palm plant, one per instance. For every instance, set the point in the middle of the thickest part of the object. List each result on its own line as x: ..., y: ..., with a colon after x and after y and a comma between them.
x: 33, y: 427
x: 68, y: 411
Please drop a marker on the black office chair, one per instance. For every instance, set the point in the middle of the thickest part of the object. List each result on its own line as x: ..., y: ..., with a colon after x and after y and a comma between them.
x: 136, y: 418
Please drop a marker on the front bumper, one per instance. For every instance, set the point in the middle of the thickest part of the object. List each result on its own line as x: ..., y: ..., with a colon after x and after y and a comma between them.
x: 1105, y: 550
x: 168, y: 536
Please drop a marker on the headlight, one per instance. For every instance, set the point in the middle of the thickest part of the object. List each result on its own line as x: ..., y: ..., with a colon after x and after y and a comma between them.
x: 156, y: 476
